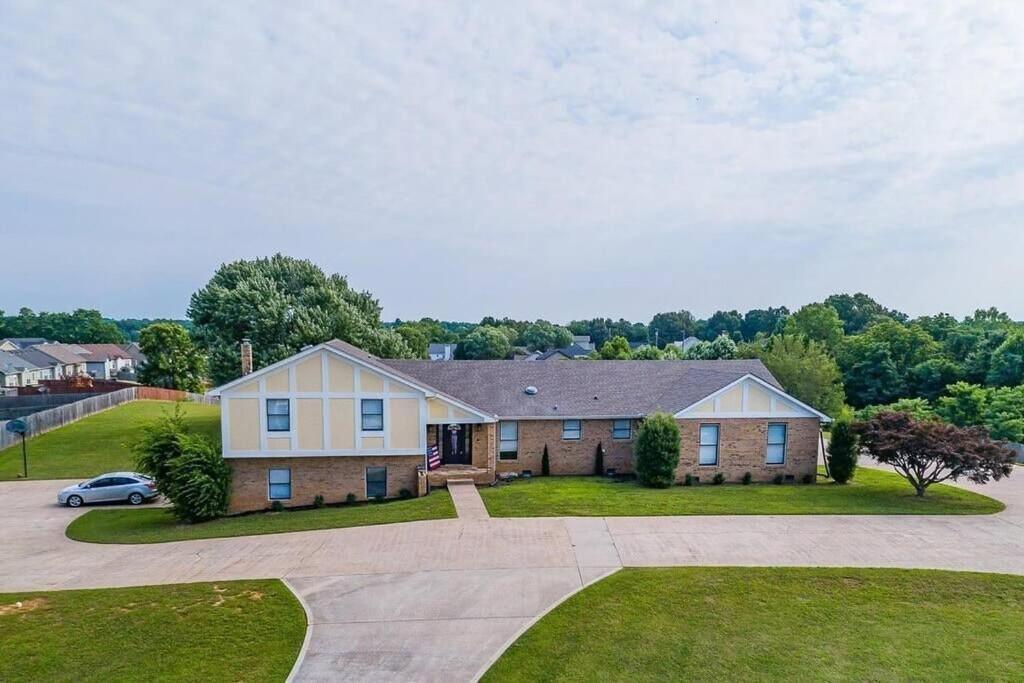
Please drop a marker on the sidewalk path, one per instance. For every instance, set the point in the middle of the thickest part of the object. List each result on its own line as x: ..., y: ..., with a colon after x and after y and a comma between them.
x: 468, y: 503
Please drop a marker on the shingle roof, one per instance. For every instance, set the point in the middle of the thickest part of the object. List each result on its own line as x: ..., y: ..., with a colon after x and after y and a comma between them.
x: 61, y: 352
x: 24, y: 342
x: 579, y: 388
x: 11, y: 364
x: 571, y: 351
x: 37, y: 358
x: 99, y: 352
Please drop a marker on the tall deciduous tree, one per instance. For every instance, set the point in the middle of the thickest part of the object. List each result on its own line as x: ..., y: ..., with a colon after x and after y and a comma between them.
x: 763, y: 321
x: 817, y: 322
x: 616, y: 348
x: 172, y: 360
x: 283, y: 304
x: 1006, y: 367
x: 806, y: 370
x: 542, y: 335
x: 672, y: 326
x: 928, y: 452
x: 485, y: 343
x: 858, y: 311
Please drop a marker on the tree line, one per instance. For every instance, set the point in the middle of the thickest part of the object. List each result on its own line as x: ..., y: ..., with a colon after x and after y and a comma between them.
x: 81, y: 326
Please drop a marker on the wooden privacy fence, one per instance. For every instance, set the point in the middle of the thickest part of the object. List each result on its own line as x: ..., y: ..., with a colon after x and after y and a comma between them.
x: 46, y: 420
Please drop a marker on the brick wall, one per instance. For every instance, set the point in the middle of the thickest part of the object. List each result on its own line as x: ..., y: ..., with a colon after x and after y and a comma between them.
x: 569, y: 457
x: 743, y: 445
x: 332, y: 477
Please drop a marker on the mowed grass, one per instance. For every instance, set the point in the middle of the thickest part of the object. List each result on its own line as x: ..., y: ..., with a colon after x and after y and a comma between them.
x: 225, y: 631
x: 158, y: 525
x: 100, y: 443
x: 871, y: 492
x: 744, y: 624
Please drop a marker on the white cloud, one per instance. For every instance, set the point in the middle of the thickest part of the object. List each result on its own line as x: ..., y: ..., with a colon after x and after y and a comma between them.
x: 528, y: 158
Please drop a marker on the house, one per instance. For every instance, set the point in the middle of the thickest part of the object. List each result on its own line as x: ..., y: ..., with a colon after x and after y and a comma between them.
x: 686, y: 344
x: 571, y: 352
x: 441, y: 351
x: 16, y: 371
x: 106, y: 361
x: 70, y: 363
x: 48, y: 367
x: 134, y: 351
x: 16, y: 343
x: 333, y: 420
x: 583, y: 341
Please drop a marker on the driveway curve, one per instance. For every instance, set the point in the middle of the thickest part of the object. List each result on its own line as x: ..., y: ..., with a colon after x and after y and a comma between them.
x: 439, y: 599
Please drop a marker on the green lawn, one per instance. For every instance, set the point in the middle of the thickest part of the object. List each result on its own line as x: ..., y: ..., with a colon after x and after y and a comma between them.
x: 742, y: 624
x: 99, y: 443
x: 872, y: 492
x: 157, y: 525
x: 226, y: 631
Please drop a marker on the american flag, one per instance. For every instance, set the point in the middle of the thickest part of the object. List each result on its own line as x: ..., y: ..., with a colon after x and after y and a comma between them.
x: 433, y: 458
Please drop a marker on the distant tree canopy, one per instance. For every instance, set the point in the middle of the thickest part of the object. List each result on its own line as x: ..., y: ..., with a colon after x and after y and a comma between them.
x: 805, y: 368
x: 485, y: 343
x: 283, y: 304
x: 82, y: 326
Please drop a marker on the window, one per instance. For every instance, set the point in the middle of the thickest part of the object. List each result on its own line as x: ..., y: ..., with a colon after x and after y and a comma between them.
x: 279, y: 417
x: 708, y: 445
x: 376, y: 482
x: 279, y: 482
x: 622, y: 429
x: 508, y: 440
x: 373, y: 414
x: 572, y: 430
x: 776, y: 444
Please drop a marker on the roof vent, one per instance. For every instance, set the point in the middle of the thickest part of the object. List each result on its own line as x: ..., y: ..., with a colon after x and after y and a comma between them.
x: 531, y: 390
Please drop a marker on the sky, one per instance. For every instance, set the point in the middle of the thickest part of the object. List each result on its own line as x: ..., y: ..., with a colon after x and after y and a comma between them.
x: 531, y: 159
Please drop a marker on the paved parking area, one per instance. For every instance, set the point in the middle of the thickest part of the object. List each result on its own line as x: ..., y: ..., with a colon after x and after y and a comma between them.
x: 437, y: 600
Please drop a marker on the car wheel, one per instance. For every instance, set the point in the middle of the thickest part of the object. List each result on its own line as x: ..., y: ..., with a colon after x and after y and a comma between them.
x: 74, y: 501
x: 136, y: 498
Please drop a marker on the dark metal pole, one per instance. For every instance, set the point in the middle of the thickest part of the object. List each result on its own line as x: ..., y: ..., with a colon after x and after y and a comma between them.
x: 24, y: 455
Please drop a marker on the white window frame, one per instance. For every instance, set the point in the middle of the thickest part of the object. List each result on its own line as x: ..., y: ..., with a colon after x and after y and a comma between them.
x: 629, y: 430
x: 266, y: 408
x: 701, y: 445
x: 578, y: 430
x: 271, y: 484
x: 366, y: 480
x: 505, y: 453
x: 784, y: 444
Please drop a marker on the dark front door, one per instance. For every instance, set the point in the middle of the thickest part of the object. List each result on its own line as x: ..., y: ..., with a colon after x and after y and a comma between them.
x: 453, y: 444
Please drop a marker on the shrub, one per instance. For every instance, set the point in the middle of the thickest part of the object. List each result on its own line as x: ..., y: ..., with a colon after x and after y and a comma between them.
x: 545, y: 463
x: 405, y: 494
x: 350, y: 499
x: 778, y: 479
x: 657, y: 450
x: 718, y: 479
x: 277, y: 506
x: 842, y: 452
x: 747, y: 478
x: 318, y: 501
x: 688, y: 480
x: 807, y: 478
x: 187, y: 468
x: 599, y: 459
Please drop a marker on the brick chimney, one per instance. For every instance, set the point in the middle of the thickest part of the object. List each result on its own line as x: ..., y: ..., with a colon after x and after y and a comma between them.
x: 246, y: 351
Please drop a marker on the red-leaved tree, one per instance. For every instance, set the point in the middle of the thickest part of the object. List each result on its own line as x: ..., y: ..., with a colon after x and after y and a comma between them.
x: 927, y: 452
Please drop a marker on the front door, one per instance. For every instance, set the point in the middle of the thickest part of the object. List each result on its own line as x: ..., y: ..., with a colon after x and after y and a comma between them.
x: 453, y: 444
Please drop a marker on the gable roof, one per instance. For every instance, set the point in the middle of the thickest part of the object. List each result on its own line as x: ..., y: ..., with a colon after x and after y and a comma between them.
x: 23, y: 342
x: 592, y: 389
x: 11, y: 364
x: 571, y: 351
x: 62, y: 353
x: 37, y: 358
x: 98, y: 352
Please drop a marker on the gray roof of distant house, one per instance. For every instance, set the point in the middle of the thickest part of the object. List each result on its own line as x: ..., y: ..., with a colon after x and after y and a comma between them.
x: 571, y: 351
x: 37, y: 358
x: 24, y: 342
x: 582, y: 388
x: 63, y: 353
x: 11, y: 363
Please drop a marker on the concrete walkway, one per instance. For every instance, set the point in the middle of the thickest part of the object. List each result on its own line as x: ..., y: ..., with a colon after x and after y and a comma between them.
x: 437, y: 600
x: 468, y: 503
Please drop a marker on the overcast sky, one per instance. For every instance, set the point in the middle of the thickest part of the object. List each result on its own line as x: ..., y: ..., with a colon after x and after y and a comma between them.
x: 519, y: 158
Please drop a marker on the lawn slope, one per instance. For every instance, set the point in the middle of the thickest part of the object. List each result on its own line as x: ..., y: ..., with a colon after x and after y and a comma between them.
x: 744, y: 624
x: 872, y: 492
x: 225, y: 631
x: 157, y: 525
x: 100, y: 443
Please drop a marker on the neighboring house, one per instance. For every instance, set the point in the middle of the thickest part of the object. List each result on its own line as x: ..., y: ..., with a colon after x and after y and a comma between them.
x: 16, y: 371
x: 134, y: 352
x: 16, y: 343
x: 48, y: 367
x: 106, y: 361
x: 583, y: 341
x: 441, y: 351
x: 565, y: 353
x: 334, y: 420
x: 70, y: 363
x: 686, y: 344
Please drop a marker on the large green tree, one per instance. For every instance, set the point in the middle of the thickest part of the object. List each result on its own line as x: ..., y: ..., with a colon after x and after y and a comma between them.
x: 763, y: 321
x: 727, y: 323
x: 672, y: 326
x: 172, y: 360
x: 81, y: 326
x: 807, y: 371
x: 283, y: 304
x: 485, y: 343
x: 1006, y: 367
x: 542, y: 335
x: 819, y: 323
x: 858, y: 311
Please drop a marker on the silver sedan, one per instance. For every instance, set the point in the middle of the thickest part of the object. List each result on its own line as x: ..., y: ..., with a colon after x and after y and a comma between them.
x: 127, y: 487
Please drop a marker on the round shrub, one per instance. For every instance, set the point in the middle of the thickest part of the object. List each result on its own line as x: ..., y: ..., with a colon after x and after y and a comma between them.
x: 718, y: 479
x: 657, y: 450
x: 688, y: 480
x: 747, y: 478
x: 350, y: 499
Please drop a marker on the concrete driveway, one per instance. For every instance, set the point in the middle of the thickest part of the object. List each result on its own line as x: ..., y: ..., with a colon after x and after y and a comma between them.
x: 440, y: 599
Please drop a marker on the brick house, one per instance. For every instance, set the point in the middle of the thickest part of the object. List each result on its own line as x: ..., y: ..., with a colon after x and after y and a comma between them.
x: 334, y: 420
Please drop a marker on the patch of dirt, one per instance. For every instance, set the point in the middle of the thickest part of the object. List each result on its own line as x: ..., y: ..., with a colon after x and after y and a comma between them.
x: 24, y: 606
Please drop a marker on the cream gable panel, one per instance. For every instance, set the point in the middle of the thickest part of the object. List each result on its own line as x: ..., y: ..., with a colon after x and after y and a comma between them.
x: 278, y: 381
x: 309, y: 374
x: 340, y: 374
x: 757, y: 398
x: 370, y: 382
x: 748, y: 398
